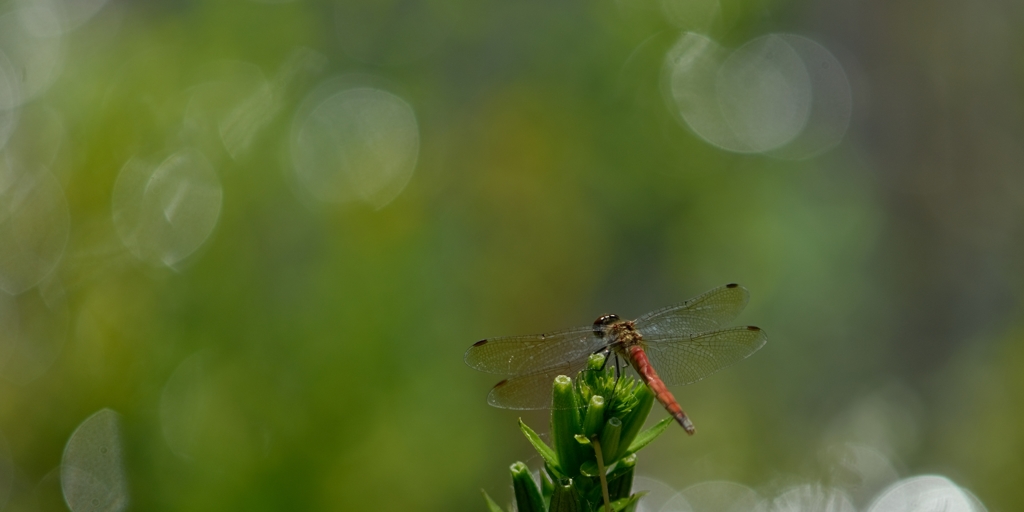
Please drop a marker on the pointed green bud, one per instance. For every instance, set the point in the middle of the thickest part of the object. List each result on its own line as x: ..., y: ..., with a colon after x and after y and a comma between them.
x: 565, y: 498
x: 590, y: 380
x: 526, y: 491
x: 633, y: 421
x: 610, y: 438
x: 565, y: 425
x: 594, y: 417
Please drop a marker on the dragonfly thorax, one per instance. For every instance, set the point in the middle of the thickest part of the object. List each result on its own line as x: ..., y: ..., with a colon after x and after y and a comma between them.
x: 624, y: 333
x: 620, y: 332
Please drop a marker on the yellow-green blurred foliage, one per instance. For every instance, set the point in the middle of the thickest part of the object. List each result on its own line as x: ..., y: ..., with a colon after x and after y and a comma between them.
x: 301, y: 354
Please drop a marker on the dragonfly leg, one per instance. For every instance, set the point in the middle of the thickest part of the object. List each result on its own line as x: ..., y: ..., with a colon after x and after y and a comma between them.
x: 607, y: 352
x: 617, y: 373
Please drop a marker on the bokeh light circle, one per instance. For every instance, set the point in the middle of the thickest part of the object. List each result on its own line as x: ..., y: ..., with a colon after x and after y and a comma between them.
x: 779, y: 94
x: 164, y: 213
x: 720, y: 495
x: 923, y: 493
x: 358, y: 144
x: 658, y: 494
x: 231, y: 108
x: 54, y: 17
x: 764, y: 93
x: 806, y: 498
x: 92, y: 469
x: 32, y: 50
x: 831, y: 101
x: 34, y: 224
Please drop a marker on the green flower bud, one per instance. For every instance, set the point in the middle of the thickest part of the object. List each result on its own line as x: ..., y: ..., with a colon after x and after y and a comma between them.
x: 594, y: 417
x: 528, y: 497
x: 565, y: 425
x: 610, y: 438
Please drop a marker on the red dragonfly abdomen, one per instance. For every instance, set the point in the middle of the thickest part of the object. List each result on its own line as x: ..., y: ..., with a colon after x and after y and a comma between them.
x: 642, y: 365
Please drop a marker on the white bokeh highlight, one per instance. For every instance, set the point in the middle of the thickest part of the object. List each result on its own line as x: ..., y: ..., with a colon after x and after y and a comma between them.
x: 92, y: 474
x: 232, y: 107
x: 831, y: 102
x: 34, y: 224
x: 658, y: 494
x: 163, y: 213
x: 860, y: 470
x: 31, y: 48
x: 355, y: 145
x: 10, y: 95
x: 55, y: 17
x: 779, y: 94
x: 720, y: 496
x: 923, y: 494
x: 810, y: 498
x: 764, y: 93
x: 690, y: 73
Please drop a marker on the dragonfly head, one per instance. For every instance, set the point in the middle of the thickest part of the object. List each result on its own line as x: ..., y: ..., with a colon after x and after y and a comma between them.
x: 602, y: 322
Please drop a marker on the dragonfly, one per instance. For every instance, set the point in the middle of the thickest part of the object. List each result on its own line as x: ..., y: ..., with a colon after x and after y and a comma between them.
x: 674, y: 345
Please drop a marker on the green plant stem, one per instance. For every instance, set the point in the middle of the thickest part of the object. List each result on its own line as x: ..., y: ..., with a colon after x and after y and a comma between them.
x: 600, y: 473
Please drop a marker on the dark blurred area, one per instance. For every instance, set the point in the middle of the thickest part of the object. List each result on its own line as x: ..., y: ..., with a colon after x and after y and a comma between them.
x: 244, y: 244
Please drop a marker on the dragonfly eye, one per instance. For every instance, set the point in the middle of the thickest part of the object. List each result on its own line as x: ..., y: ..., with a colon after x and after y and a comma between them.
x: 601, y: 322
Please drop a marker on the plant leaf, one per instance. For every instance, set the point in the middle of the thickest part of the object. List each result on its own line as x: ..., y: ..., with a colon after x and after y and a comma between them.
x: 627, y: 504
x: 644, y: 438
x: 491, y: 505
x: 543, y: 450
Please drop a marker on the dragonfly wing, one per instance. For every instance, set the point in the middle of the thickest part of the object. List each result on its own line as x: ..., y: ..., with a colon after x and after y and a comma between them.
x: 532, y: 390
x: 682, y: 359
x: 712, y: 310
x: 515, y: 355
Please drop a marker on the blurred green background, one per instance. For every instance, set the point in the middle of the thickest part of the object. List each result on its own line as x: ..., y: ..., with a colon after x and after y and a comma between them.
x: 190, y: 237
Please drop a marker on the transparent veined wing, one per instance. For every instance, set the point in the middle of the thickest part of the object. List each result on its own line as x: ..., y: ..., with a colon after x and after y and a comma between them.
x: 714, y: 309
x: 515, y: 355
x: 686, y: 358
x: 532, y: 390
